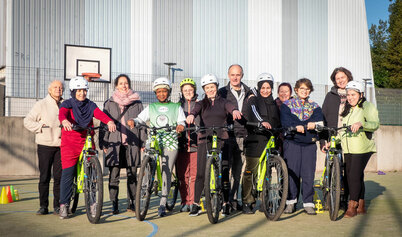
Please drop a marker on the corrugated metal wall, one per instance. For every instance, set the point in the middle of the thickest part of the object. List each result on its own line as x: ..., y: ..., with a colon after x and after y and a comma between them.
x: 141, y: 38
x: 313, y: 44
x: 3, y: 24
x: 348, y: 39
x: 172, y: 37
x: 39, y: 31
x: 289, y: 40
x: 107, y: 24
x: 220, y: 36
x: 265, y: 38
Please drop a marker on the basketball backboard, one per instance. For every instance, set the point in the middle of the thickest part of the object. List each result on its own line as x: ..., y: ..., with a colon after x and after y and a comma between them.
x: 80, y: 59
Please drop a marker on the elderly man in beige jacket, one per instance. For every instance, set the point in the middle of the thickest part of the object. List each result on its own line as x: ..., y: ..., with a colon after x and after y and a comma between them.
x: 43, y: 121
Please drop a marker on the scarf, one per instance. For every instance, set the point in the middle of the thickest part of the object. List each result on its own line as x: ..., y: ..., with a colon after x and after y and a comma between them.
x: 302, y: 109
x: 83, y: 111
x: 123, y: 100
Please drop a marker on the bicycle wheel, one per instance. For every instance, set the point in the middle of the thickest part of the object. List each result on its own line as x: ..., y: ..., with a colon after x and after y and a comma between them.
x: 334, y: 190
x: 275, y: 188
x: 93, y: 191
x: 213, y: 201
x: 74, y: 198
x: 173, y: 192
x: 144, y: 188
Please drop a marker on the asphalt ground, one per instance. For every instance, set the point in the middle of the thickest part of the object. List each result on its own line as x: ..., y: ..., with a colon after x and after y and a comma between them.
x: 384, y: 217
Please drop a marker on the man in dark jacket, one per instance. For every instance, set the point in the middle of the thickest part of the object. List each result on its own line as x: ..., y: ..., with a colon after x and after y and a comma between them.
x: 237, y: 93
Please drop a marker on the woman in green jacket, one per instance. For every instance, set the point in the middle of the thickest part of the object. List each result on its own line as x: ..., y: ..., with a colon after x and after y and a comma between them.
x: 358, y: 143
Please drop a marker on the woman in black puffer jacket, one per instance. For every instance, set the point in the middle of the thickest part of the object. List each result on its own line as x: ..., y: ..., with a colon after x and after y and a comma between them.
x: 261, y: 108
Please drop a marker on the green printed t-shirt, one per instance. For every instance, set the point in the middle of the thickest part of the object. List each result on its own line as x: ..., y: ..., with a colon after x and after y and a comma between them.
x: 161, y: 114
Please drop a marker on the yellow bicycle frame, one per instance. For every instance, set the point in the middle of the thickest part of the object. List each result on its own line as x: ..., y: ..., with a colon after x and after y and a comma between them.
x: 212, y: 181
x: 262, y: 165
x: 80, y: 169
x: 155, y: 145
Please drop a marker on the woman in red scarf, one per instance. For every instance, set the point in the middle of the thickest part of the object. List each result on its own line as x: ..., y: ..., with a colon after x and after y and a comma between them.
x: 122, y: 148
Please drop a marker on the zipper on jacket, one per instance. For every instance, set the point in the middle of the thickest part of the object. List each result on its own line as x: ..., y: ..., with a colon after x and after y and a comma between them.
x: 188, y: 132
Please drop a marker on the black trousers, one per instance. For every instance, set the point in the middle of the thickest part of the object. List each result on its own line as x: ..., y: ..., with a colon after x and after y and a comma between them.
x: 49, y: 156
x: 201, y: 165
x: 114, y: 178
x: 355, y: 165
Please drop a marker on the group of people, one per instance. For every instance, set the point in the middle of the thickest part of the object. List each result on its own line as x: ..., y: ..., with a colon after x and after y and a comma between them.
x: 234, y: 103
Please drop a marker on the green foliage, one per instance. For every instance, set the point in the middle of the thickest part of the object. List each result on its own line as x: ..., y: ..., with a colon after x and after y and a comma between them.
x: 386, y: 48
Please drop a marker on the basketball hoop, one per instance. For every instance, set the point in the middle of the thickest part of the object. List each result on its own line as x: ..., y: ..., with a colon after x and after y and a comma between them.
x: 91, y: 76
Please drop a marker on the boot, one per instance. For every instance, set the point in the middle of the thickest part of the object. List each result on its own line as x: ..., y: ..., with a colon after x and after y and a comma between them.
x: 352, y: 209
x: 360, y: 208
x: 115, y: 207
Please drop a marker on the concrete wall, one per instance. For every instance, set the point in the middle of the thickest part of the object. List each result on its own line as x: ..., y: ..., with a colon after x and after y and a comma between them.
x: 18, y: 149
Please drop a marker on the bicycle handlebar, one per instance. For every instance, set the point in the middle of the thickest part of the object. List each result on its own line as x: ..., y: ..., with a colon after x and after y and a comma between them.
x: 259, y: 126
x: 321, y: 128
x: 154, y: 129
x: 228, y: 127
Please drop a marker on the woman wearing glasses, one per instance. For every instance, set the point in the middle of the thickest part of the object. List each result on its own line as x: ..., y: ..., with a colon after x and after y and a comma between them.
x: 300, y: 148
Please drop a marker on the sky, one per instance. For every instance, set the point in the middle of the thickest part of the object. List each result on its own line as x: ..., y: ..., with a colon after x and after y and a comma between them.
x: 376, y: 10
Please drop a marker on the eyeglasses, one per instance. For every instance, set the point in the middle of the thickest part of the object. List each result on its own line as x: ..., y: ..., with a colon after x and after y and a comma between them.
x: 304, y: 89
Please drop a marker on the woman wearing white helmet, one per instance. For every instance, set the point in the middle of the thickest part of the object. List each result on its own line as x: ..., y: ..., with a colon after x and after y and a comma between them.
x: 159, y: 114
x: 262, y: 109
x: 78, y: 110
x: 213, y: 110
x: 358, y: 143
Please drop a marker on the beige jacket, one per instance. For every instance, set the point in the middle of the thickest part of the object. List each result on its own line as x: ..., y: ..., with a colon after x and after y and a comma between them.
x: 45, y: 112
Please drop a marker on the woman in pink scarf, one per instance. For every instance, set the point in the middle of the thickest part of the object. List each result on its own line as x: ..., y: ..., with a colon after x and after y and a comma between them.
x: 122, y: 148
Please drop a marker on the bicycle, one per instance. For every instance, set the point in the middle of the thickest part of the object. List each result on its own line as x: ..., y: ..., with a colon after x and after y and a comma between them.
x: 147, y: 184
x: 272, y: 179
x: 330, y: 181
x: 213, y: 188
x: 88, y: 179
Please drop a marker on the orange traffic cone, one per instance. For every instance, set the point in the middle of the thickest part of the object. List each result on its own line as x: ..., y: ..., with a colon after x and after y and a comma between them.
x: 13, y: 193
x: 9, y: 196
x: 3, y: 198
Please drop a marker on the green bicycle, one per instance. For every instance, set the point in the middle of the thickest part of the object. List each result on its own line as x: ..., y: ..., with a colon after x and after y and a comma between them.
x: 272, y: 179
x: 213, y: 188
x: 147, y: 184
x: 89, y: 179
x: 330, y: 181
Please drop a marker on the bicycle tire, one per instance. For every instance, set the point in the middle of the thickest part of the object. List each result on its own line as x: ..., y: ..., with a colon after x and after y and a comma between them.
x: 334, y: 190
x: 213, y: 201
x: 93, y: 191
x: 144, y: 188
x: 275, y: 188
x: 173, y: 193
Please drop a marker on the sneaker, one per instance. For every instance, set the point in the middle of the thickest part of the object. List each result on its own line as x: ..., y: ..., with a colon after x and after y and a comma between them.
x: 226, y: 209
x: 42, y: 211
x: 310, y: 210
x: 63, y: 211
x: 185, y: 208
x: 162, y: 211
x: 56, y: 211
x: 247, y: 208
x: 195, y: 210
x: 290, y: 208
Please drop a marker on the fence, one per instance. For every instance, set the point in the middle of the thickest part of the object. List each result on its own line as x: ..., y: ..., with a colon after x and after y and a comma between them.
x: 24, y: 86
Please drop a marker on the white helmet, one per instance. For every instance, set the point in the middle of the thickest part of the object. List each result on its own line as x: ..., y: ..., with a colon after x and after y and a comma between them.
x: 208, y: 79
x: 161, y: 82
x: 265, y: 77
x: 78, y: 83
x: 355, y: 85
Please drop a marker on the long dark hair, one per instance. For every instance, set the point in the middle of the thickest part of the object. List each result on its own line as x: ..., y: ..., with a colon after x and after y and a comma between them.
x: 116, y: 81
x: 347, y: 108
x: 341, y: 69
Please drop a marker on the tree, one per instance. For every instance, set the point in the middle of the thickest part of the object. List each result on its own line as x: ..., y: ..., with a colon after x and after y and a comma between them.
x: 393, y: 62
x: 378, y: 38
x: 386, y: 48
